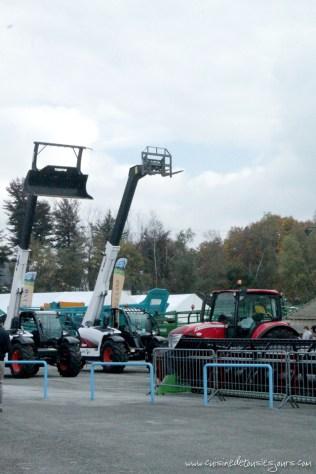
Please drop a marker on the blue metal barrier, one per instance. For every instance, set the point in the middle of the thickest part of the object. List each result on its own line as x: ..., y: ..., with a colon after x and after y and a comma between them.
x: 35, y: 362
x: 127, y: 364
x: 237, y: 365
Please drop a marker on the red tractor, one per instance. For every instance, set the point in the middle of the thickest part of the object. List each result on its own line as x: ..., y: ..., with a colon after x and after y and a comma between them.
x: 232, y: 315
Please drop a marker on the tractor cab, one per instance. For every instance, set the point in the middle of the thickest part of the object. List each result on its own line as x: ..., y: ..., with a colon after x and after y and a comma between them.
x: 139, y: 329
x: 242, y: 312
x: 45, y: 327
x: 237, y: 314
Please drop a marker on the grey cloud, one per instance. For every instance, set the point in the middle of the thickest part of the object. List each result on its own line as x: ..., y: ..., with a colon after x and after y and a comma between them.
x: 131, y: 73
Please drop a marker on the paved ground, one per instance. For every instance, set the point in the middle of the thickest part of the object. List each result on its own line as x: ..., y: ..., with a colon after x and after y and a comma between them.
x: 120, y: 432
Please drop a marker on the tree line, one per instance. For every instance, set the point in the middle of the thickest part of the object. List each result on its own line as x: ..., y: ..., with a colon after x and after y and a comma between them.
x: 66, y: 253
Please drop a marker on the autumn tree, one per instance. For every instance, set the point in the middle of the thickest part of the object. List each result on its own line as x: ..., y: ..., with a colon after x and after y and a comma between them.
x: 211, y: 271
x: 294, y: 274
x: 181, y: 258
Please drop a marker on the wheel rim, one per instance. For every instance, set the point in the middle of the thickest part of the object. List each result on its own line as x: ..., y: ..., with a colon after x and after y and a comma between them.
x: 63, y: 365
x: 16, y: 367
x: 107, y: 354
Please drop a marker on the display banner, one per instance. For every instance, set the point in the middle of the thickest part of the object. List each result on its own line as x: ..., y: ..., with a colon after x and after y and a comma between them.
x: 118, y: 281
x: 28, y: 289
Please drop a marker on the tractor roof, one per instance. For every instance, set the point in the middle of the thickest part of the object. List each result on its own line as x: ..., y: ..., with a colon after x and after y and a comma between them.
x: 251, y: 291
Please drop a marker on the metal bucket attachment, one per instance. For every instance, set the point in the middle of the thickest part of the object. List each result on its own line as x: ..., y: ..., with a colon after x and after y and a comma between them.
x: 57, y: 181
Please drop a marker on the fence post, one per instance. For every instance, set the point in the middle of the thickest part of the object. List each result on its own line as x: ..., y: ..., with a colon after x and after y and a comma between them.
x: 92, y: 384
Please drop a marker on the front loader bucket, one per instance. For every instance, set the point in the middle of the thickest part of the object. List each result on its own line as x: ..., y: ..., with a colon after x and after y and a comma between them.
x: 57, y: 182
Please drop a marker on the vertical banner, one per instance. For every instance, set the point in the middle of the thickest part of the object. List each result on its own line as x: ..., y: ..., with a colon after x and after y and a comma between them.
x: 118, y: 281
x: 28, y: 288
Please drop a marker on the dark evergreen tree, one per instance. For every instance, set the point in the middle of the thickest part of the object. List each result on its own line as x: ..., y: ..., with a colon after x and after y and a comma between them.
x: 66, y: 223
x: 4, y: 249
x: 43, y: 261
x: 69, y: 241
x: 4, y: 264
x: 15, y: 209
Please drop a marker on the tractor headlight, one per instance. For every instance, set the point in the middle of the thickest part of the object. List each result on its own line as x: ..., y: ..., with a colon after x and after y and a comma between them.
x: 173, y: 340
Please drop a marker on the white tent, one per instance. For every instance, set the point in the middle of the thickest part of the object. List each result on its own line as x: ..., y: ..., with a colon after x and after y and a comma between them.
x: 176, y: 302
x: 184, y: 302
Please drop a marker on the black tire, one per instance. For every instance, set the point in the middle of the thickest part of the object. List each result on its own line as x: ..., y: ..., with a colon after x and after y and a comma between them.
x: 22, y: 352
x: 112, y: 351
x: 69, y: 360
x: 281, y: 333
x: 35, y: 369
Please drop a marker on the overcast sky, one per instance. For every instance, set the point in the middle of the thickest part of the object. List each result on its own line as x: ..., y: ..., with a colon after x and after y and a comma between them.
x: 228, y: 86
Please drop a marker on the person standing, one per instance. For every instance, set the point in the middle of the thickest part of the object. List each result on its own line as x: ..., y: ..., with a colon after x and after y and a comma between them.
x: 4, y: 348
x: 307, y: 334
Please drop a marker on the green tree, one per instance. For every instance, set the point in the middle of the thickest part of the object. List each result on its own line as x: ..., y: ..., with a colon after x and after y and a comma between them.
x: 14, y: 207
x: 4, y: 264
x: 295, y: 279
x: 181, y: 259
x: 4, y: 249
x: 69, y: 240
x: 66, y: 223
x: 252, y: 253
x: 43, y: 262
x: 136, y: 279
x: 211, y: 265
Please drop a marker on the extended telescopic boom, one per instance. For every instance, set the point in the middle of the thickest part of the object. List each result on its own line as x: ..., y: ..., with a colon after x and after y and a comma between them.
x: 155, y: 160
x: 58, y: 181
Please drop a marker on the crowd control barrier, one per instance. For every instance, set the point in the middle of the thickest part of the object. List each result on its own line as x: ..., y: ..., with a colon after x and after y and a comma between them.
x: 35, y: 362
x: 125, y: 364
x: 235, y: 366
x: 294, y: 373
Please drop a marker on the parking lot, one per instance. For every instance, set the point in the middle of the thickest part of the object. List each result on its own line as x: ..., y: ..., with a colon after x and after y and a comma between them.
x: 121, y: 432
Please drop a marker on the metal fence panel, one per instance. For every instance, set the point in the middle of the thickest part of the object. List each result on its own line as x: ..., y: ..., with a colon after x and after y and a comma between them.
x: 294, y: 373
x: 252, y: 382
x: 235, y: 366
x: 181, y: 368
x: 302, y: 377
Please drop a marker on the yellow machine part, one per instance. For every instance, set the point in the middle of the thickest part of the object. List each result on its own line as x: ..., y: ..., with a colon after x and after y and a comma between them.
x: 64, y: 304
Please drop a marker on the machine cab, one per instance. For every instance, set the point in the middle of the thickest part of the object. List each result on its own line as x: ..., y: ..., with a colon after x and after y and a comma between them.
x: 242, y: 311
x: 45, y: 326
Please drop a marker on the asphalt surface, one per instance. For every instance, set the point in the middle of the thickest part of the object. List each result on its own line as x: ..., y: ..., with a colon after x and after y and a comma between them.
x: 121, y: 432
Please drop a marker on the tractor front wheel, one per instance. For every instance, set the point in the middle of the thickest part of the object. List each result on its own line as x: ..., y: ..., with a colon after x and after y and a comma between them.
x: 281, y: 333
x: 22, y: 352
x: 112, y: 351
x: 69, y: 361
